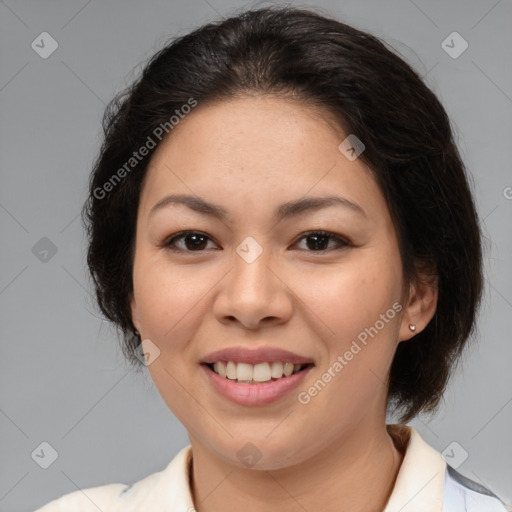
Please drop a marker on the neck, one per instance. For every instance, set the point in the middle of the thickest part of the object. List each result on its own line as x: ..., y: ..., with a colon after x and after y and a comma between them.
x: 336, y: 479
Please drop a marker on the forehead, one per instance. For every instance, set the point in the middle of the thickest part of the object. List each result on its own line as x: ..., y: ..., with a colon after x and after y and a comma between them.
x: 259, y: 150
x: 253, y: 126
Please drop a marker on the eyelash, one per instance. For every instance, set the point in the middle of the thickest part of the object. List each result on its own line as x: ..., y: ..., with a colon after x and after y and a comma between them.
x: 167, y: 244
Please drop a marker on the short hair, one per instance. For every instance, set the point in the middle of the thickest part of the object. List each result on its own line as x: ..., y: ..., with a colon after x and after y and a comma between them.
x: 373, y: 93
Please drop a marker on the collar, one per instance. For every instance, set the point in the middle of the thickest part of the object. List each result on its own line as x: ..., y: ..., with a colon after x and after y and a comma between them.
x: 419, y: 485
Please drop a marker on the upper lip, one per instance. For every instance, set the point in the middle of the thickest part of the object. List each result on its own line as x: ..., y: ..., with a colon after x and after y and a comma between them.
x: 255, y: 356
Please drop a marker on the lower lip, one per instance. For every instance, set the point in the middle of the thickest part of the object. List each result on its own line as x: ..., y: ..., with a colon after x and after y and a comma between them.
x: 254, y: 394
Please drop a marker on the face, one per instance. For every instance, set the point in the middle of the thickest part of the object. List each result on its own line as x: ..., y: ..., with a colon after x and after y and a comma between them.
x: 254, y: 279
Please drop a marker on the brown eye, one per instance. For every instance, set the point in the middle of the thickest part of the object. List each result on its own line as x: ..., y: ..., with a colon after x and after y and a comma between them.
x: 318, y: 241
x: 194, y: 241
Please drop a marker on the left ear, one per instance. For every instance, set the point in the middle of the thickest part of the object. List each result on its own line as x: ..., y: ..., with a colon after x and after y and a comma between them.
x: 421, y: 306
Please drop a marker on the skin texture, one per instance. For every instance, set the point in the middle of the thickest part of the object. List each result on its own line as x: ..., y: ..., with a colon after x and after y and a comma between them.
x: 249, y: 155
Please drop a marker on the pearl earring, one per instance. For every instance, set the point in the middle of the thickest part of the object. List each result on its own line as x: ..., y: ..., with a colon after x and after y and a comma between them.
x: 412, y: 327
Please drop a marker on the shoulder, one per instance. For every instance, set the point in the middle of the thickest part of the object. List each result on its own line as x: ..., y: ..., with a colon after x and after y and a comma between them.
x: 91, y: 499
x: 462, y: 494
x: 441, y: 487
x: 160, y: 490
x: 108, y: 498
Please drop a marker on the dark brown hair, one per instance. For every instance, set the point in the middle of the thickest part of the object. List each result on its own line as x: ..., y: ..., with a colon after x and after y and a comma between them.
x: 374, y: 94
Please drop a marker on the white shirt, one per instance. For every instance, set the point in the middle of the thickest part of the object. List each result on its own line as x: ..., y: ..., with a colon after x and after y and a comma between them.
x: 425, y: 483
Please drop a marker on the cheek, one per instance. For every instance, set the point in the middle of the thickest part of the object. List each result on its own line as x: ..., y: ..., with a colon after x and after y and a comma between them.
x: 168, y: 298
x: 355, y: 312
x: 170, y: 309
x: 350, y: 298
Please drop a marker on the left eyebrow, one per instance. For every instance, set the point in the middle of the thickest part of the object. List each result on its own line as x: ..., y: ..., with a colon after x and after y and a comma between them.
x: 285, y: 210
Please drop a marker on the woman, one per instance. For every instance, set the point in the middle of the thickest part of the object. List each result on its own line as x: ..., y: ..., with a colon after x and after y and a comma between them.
x: 282, y: 227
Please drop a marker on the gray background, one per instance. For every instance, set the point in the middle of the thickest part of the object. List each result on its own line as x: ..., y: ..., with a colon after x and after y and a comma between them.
x: 62, y: 377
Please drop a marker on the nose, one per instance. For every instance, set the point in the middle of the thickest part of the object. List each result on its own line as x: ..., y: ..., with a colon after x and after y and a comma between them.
x: 253, y: 293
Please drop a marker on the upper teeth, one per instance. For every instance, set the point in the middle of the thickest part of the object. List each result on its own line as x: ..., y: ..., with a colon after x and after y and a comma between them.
x: 261, y: 372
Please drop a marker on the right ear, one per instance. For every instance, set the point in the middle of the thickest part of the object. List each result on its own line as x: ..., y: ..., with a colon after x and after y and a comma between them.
x: 135, y: 313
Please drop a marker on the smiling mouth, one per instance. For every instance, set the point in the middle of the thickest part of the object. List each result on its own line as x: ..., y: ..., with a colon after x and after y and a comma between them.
x: 256, y: 374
